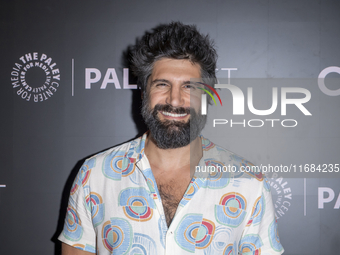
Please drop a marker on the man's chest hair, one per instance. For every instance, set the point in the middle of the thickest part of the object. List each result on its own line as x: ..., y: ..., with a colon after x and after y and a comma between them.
x: 171, y: 195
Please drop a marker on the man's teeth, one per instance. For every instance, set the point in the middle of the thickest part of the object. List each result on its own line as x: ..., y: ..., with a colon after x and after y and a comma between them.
x: 174, y: 115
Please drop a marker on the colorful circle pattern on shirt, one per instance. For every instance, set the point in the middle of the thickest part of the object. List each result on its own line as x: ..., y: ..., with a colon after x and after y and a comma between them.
x: 83, y: 177
x: 72, y: 227
x: 143, y: 245
x: 205, y: 234
x: 137, y: 204
x: 117, y: 164
x: 95, y: 203
x: 255, y: 173
x: 274, y: 236
x: 266, y: 184
x: 246, y: 168
x: 86, y: 247
x: 250, y: 244
x: 207, y: 144
x: 220, y: 242
x: 231, y: 209
x: 194, y: 232
x: 257, y: 212
x: 137, y: 148
x: 229, y: 250
x: 86, y: 170
x: 151, y: 182
x: 217, y: 179
x: 194, y: 186
x: 117, y: 235
x: 75, y: 185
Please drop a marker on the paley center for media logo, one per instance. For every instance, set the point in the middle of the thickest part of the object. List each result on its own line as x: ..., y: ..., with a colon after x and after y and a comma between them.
x: 35, y: 77
x: 284, y: 99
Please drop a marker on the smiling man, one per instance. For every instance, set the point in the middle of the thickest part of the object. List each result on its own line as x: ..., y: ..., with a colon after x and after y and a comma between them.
x: 143, y: 197
x: 167, y: 113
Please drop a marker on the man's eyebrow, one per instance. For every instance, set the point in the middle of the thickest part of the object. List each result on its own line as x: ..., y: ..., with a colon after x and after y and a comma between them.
x: 167, y: 81
x: 160, y: 80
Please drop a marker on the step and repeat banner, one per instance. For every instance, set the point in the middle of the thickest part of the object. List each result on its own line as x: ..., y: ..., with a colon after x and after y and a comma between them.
x: 67, y: 93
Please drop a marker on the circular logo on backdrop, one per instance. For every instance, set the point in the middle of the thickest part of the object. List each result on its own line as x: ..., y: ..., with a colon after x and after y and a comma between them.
x: 35, y: 77
x: 281, y: 192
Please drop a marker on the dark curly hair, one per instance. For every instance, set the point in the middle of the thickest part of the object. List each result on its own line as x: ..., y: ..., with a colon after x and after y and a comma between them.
x: 176, y: 41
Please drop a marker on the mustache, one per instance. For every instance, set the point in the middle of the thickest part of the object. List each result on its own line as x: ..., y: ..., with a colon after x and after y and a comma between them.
x: 171, y: 109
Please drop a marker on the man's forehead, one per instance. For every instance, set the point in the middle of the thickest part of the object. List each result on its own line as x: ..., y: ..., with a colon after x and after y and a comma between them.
x: 168, y: 69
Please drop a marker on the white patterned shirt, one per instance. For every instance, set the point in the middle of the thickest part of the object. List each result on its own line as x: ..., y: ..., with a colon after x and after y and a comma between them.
x: 115, y: 208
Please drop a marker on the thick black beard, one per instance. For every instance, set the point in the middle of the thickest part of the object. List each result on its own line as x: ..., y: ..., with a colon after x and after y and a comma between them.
x: 171, y: 134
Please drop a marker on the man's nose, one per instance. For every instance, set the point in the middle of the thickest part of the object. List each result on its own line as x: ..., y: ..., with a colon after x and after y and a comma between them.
x: 176, y: 97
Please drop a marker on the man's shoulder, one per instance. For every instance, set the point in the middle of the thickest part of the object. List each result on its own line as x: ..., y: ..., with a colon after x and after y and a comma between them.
x: 230, y: 162
x: 130, y: 149
x: 213, y: 150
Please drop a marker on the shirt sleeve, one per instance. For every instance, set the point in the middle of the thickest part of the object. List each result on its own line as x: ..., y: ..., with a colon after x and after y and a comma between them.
x: 78, y: 229
x: 261, y: 231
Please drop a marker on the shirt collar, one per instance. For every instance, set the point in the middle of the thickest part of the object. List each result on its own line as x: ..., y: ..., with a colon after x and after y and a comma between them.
x: 137, y: 148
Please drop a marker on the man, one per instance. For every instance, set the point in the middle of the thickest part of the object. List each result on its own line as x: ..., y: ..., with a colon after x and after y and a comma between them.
x: 143, y: 197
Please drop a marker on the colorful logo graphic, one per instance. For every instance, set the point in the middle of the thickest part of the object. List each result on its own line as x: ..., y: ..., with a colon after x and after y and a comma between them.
x: 204, y: 97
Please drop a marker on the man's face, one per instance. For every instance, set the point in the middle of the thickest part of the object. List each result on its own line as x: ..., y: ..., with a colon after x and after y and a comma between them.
x: 171, y: 106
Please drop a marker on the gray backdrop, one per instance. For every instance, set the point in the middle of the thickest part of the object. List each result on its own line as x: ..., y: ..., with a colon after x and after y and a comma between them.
x: 74, y: 46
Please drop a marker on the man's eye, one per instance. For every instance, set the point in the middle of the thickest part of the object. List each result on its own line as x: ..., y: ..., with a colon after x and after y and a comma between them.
x: 190, y: 86
x: 161, y: 85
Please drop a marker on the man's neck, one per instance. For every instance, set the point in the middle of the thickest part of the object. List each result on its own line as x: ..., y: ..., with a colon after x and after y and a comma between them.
x: 172, y: 159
